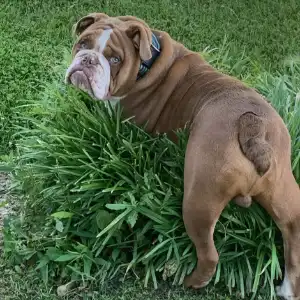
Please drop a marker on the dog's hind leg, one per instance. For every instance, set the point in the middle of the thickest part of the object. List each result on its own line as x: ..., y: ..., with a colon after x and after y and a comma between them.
x: 277, y: 190
x: 203, y: 204
x: 282, y: 202
x: 201, y: 211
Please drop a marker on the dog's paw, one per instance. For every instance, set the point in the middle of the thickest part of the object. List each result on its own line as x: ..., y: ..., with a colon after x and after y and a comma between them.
x: 285, y: 290
x: 191, y: 282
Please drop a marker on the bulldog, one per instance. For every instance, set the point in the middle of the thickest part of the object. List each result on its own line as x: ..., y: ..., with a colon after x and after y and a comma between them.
x: 238, y: 149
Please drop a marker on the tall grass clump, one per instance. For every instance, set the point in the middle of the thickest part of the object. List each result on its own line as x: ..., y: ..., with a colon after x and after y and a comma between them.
x: 102, y: 198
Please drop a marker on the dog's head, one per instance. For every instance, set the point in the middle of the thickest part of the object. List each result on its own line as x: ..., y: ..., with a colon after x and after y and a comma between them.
x: 107, y: 54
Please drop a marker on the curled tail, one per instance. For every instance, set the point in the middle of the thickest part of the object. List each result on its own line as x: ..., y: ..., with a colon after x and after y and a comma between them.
x: 252, y: 139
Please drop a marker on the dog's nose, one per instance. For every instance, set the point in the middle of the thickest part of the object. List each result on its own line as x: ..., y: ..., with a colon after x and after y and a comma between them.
x: 89, y: 60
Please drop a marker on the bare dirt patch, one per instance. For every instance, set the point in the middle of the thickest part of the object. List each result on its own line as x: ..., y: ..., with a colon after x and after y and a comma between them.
x: 5, y: 200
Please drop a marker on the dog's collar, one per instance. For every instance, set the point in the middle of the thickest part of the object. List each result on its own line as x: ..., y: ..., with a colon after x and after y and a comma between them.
x: 146, y: 64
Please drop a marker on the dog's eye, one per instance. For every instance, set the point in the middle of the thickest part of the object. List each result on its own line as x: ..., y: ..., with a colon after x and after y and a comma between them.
x: 114, y: 60
x: 82, y: 45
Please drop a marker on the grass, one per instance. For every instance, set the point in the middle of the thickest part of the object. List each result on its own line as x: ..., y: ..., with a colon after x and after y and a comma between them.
x: 31, y: 288
x: 63, y: 210
x: 103, y: 198
x: 34, y: 37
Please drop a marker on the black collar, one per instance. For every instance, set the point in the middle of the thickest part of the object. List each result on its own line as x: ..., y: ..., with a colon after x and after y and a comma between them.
x: 146, y: 64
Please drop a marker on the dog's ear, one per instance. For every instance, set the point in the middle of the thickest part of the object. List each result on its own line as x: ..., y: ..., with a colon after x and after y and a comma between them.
x: 141, y: 36
x: 87, y: 21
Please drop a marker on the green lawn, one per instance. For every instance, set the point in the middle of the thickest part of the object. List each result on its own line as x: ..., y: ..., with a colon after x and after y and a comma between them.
x: 35, y: 36
x: 15, y: 287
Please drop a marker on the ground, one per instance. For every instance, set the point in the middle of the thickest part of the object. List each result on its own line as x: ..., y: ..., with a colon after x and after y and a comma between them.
x: 5, y: 200
x: 31, y: 290
x: 35, y: 36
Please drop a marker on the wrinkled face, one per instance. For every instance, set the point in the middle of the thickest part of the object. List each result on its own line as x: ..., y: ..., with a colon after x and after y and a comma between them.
x: 107, y: 55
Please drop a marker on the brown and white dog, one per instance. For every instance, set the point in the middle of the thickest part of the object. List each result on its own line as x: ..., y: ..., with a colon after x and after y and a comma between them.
x: 239, y: 148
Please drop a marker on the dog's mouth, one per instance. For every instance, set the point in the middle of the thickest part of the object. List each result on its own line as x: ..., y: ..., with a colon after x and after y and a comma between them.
x: 80, y: 79
x: 94, y: 80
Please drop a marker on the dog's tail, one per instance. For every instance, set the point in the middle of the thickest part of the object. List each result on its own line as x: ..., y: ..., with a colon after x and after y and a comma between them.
x: 252, y: 139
